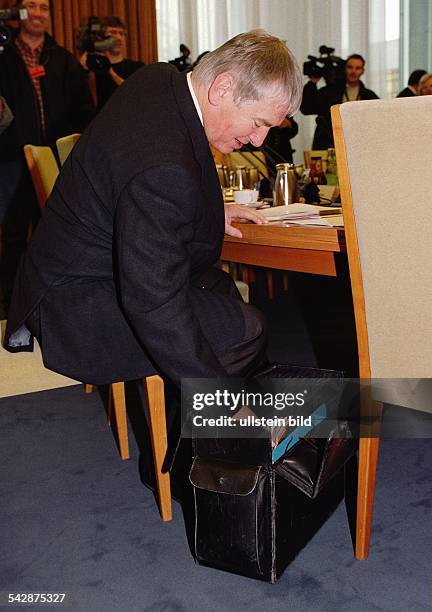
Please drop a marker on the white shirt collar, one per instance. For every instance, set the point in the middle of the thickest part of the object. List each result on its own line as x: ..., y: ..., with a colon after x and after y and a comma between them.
x: 194, y: 98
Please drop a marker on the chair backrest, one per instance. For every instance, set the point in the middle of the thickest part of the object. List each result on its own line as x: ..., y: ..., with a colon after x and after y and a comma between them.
x: 308, y: 155
x: 65, y: 145
x: 383, y: 152
x: 256, y: 162
x: 43, y: 169
x: 255, y: 159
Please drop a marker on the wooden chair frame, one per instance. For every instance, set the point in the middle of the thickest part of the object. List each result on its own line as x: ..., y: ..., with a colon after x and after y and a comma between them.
x: 308, y: 154
x: 368, y: 447
x: 65, y: 145
x: 154, y: 387
x: 33, y: 165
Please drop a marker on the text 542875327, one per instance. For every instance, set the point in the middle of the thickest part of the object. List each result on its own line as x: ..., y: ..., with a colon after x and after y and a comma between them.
x: 35, y: 598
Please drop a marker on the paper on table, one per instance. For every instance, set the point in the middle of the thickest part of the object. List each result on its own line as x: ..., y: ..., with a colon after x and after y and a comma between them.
x: 296, y: 211
x: 315, y: 221
x: 336, y: 220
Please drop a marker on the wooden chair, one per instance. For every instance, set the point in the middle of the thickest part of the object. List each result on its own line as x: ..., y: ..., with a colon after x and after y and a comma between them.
x: 65, y: 145
x: 154, y: 388
x: 256, y: 162
x: 44, y: 171
x: 386, y: 203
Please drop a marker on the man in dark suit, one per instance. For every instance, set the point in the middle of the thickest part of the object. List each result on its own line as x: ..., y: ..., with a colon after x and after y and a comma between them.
x: 412, y: 88
x: 119, y: 278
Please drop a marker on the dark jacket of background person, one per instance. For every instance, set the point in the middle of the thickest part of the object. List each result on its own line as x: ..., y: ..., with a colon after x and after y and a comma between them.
x: 135, y: 220
x: 68, y: 108
x: 412, y: 89
x: 406, y: 93
x: 105, y: 86
x: 319, y: 102
x: 68, y: 105
x: 279, y: 139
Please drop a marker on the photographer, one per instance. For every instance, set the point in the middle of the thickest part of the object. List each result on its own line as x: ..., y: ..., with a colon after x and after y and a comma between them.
x: 183, y: 62
x: 319, y: 101
x: 48, y: 94
x: 112, y: 73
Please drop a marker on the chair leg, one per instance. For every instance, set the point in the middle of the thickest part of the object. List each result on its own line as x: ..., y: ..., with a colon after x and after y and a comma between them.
x: 368, y: 459
x: 270, y: 289
x: 158, y: 433
x: 245, y: 274
x: 117, y: 401
x: 285, y: 281
x: 89, y: 388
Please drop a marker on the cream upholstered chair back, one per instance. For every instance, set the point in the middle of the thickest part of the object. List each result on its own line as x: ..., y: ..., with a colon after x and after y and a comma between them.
x: 385, y: 172
x: 43, y: 169
x: 383, y: 154
x: 65, y: 145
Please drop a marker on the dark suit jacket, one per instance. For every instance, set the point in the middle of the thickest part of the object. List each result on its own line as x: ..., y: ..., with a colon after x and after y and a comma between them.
x: 113, y: 275
x: 405, y: 93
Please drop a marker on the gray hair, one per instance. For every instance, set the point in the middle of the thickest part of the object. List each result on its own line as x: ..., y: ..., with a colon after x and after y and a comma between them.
x: 423, y: 80
x: 259, y: 62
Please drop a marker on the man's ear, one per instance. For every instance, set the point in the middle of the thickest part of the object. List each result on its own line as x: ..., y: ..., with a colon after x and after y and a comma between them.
x: 222, y: 86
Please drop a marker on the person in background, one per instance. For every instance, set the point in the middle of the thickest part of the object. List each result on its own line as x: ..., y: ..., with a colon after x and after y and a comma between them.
x: 119, y: 67
x: 119, y: 279
x: 425, y: 85
x: 183, y: 62
x: 319, y: 101
x: 6, y: 116
x: 279, y: 141
x: 412, y: 88
x: 48, y: 93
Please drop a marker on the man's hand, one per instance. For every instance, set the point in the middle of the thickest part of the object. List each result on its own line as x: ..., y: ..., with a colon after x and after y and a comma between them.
x: 115, y: 77
x: 234, y: 212
x: 83, y: 60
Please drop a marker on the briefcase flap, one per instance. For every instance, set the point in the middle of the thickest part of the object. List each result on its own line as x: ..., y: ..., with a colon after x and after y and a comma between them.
x: 223, y: 477
x: 313, y: 462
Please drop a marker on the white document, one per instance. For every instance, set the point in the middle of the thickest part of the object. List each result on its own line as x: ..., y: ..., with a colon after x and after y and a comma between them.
x: 315, y: 222
x: 297, y: 211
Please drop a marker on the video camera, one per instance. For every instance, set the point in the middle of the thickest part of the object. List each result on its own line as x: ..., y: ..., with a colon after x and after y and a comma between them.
x: 328, y: 66
x: 91, y: 39
x: 9, y: 15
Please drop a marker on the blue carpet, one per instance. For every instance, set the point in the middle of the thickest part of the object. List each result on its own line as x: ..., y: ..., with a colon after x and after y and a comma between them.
x: 75, y: 519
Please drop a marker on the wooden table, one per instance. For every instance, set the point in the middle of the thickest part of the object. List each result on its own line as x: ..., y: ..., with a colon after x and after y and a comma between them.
x: 298, y: 249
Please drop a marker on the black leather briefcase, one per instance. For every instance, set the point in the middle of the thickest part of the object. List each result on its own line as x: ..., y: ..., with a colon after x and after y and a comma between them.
x: 253, y: 515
